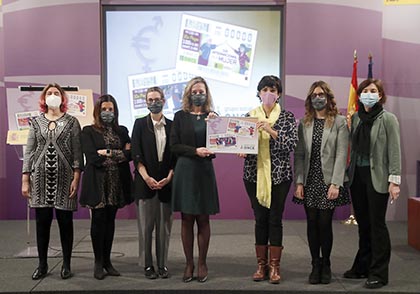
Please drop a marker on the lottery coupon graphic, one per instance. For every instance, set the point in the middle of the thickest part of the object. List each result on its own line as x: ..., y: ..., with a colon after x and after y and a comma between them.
x: 172, y: 82
x: 216, y: 50
x: 232, y: 135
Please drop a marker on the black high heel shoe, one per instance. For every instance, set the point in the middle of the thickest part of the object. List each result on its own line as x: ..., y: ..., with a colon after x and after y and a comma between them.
x: 188, y: 277
x: 202, y: 278
x: 39, y: 273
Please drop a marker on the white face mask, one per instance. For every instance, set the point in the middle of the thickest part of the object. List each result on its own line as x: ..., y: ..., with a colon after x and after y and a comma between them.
x: 53, y: 101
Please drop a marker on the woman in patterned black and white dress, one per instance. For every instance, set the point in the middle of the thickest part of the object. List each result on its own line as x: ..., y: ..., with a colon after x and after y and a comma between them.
x: 50, y: 174
x: 320, y: 163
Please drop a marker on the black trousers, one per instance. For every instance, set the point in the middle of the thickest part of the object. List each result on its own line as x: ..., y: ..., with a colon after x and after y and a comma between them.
x: 370, y: 207
x: 44, y: 217
x: 268, y: 221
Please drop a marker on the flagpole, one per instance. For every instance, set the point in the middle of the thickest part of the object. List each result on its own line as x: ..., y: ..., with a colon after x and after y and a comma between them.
x: 351, y: 109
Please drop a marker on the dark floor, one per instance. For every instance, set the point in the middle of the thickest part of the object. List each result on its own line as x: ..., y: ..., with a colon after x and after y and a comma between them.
x: 231, y: 262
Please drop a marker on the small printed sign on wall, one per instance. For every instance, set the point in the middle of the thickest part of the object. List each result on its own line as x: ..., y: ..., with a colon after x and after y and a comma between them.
x: 401, y: 2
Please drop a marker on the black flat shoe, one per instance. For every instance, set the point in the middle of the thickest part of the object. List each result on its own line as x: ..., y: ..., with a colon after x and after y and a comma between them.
x: 98, y: 272
x: 374, y: 284
x: 163, y: 272
x: 111, y: 271
x: 149, y: 272
x: 39, y: 273
x: 351, y: 274
x: 65, y: 273
x: 202, y: 279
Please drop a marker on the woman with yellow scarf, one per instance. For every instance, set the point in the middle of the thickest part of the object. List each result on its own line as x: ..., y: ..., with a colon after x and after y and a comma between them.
x: 268, y: 175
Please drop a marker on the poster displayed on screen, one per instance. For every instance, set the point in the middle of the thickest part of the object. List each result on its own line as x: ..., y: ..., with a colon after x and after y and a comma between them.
x: 172, y: 83
x: 232, y: 135
x: 217, y: 50
x: 232, y: 48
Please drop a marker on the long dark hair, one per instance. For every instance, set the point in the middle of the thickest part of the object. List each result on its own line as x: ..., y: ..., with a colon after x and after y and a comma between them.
x: 97, y: 121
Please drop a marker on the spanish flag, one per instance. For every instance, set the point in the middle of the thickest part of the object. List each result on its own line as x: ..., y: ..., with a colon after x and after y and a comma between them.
x: 352, y: 104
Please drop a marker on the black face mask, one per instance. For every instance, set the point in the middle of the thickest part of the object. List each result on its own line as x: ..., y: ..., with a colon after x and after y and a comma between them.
x: 198, y: 99
x: 155, y: 107
x: 107, y: 116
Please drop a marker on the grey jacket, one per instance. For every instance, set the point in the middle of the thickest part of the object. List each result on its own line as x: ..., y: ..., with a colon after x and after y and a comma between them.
x: 334, y: 150
x: 385, y: 150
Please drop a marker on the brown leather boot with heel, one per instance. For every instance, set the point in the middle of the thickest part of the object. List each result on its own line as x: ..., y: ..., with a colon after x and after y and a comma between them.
x: 275, y: 256
x: 262, y: 270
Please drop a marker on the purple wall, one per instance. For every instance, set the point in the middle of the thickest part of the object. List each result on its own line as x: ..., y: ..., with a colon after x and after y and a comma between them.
x: 45, y: 42
x: 3, y: 131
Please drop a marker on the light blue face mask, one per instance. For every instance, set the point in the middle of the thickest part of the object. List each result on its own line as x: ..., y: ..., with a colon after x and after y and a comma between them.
x: 369, y: 99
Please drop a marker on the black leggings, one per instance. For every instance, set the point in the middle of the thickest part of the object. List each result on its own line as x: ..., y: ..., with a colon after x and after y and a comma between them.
x: 319, y: 232
x: 44, y: 217
x: 102, y: 231
x: 268, y: 221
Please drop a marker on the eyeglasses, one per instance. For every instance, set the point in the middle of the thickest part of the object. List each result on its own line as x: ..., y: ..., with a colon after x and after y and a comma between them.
x: 320, y: 95
x: 150, y: 101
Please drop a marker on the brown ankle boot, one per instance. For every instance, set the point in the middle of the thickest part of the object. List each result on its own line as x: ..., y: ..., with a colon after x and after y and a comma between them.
x: 275, y: 256
x: 262, y: 270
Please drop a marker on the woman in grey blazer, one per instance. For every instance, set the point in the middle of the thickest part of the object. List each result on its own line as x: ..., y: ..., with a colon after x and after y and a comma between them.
x: 375, y: 175
x: 320, y: 163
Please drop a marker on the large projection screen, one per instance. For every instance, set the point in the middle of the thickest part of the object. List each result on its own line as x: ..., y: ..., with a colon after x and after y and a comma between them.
x: 232, y: 47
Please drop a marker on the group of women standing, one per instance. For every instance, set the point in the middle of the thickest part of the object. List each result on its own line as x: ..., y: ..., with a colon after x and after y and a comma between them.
x: 174, y: 172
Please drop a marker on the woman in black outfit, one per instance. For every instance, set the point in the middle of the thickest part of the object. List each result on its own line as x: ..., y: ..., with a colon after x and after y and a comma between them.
x: 107, y: 179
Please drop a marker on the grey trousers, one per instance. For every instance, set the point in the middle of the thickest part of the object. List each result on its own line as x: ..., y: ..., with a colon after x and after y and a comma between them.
x: 153, y: 215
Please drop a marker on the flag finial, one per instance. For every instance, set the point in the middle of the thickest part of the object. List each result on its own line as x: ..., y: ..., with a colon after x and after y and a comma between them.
x: 370, y: 66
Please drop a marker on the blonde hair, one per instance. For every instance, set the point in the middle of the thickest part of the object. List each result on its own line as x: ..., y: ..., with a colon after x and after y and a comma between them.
x: 186, y: 97
x: 331, y: 107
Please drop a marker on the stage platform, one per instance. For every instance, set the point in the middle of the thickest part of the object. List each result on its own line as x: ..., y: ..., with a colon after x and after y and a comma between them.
x: 231, y: 262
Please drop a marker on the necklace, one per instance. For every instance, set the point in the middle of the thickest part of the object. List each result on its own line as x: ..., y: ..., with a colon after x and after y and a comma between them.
x: 198, y: 114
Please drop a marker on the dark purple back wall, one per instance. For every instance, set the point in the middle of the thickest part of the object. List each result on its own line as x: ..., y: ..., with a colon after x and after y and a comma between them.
x: 71, y: 48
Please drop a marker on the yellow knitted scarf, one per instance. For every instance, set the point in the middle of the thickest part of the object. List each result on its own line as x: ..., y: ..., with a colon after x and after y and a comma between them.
x: 264, y: 158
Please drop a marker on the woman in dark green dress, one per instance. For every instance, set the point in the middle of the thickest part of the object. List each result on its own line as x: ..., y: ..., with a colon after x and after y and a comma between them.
x: 194, y: 190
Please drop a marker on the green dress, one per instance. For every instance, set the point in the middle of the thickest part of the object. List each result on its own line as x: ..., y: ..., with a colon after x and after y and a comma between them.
x: 194, y: 189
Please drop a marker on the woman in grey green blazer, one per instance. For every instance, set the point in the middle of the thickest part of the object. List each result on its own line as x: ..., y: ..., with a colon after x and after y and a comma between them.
x: 320, y: 164
x: 375, y: 175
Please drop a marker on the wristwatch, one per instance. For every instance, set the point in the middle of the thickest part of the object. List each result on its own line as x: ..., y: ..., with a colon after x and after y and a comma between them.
x: 108, y: 152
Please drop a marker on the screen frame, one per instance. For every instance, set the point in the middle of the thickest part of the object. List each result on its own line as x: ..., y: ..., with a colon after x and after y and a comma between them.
x: 182, y: 5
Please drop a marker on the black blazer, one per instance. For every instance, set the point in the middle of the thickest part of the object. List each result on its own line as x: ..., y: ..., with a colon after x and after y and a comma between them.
x: 93, y: 176
x: 143, y: 150
x: 183, y: 137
